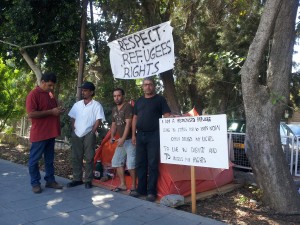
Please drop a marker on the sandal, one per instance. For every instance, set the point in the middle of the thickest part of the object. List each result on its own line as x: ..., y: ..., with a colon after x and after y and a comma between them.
x: 118, y: 189
x: 103, y: 179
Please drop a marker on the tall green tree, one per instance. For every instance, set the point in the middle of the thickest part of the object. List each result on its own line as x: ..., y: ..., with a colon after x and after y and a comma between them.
x: 212, y: 38
x: 156, y: 12
x: 41, y: 34
x: 115, y: 19
x: 14, y: 85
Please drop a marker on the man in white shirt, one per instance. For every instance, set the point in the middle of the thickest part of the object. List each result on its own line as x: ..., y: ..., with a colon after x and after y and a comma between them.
x: 86, y: 116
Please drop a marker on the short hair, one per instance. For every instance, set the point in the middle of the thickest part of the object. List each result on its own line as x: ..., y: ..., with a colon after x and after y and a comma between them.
x: 119, y: 89
x: 149, y: 79
x: 49, y: 77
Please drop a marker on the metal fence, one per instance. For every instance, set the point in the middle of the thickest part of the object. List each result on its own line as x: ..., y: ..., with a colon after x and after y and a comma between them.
x: 290, y: 147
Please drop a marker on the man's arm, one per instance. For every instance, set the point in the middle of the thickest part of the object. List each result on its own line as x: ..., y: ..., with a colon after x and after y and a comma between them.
x: 166, y: 115
x: 113, y: 130
x: 125, y: 133
x: 133, y: 128
x: 96, y: 125
x: 73, y: 124
x: 51, y: 112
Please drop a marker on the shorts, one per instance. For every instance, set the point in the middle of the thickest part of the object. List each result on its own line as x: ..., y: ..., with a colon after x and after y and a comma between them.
x: 123, y: 154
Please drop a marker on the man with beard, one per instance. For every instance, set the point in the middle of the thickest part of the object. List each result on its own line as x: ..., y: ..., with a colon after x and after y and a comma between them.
x: 125, y: 152
x: 145, y: 135
x: 86, y: 116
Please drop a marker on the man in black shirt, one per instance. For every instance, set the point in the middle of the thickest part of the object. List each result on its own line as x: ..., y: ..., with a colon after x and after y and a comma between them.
x: 145, y: 135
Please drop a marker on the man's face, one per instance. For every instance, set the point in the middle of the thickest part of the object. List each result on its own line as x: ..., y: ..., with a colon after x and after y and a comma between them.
x: 47, y: 86
x: 118, y: 97
x: 148, y: 87
x: 86, y: 93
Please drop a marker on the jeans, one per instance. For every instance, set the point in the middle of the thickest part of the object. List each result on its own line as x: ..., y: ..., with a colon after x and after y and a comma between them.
x: 83, y: 148
x: 37, y: 150
x: 147, y: 161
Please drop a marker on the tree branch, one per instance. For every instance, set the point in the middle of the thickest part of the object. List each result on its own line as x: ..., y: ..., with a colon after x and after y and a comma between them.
x: 31, y: 46
x: 112, y: 35
x: 11, y: 44
x: 250, y: 69
x: 279, y: 68
x: 41, y: 44
x: 37, y: 71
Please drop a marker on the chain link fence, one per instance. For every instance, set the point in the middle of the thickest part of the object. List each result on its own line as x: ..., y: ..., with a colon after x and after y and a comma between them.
x: 290, y: 147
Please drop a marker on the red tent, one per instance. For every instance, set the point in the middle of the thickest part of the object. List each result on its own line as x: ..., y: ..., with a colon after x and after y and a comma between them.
x: 173, y: 179
x: 106, y: 150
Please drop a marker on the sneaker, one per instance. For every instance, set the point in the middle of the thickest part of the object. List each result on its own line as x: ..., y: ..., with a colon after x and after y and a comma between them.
x: 151, y: 198
x: 134, y: 193
x: 74, y: 183
x: 54, y: 185
x: 88, y: 185
x: 37, y: 189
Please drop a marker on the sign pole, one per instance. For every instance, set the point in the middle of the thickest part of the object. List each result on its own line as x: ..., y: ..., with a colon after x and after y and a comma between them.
x: 193, y: 189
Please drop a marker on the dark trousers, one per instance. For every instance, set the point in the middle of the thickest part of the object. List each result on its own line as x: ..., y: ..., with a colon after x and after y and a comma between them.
x: 147, y: 161
x: 37, y: 150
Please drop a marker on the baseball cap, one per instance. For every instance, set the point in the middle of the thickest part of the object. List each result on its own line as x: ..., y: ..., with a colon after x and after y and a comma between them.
x: 88, y: 85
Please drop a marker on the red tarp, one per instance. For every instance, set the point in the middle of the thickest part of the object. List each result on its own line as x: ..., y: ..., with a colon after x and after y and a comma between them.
x: 173, y: 179
x: 106, y: 150
x: 176, y: 179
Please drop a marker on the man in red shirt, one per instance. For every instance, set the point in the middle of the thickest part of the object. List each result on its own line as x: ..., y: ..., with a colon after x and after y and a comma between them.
x: 43, y: 110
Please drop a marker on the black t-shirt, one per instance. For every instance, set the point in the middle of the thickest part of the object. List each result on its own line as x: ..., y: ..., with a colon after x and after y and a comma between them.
x: 148, y: 111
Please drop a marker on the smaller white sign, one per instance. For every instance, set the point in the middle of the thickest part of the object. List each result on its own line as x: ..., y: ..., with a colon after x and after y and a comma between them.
x: 194, y: 141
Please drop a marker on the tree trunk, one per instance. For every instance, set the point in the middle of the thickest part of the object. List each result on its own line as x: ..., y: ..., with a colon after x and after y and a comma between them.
x: 37, y: 70
x: 82, y: 49
x: 170, y: 91
x: 151, y: 11
x: 93, y: 28
x: 195, y: 97
x: 265, y: 104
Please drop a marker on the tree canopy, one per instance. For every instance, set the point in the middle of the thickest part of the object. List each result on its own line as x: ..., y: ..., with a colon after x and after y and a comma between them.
x: 14, y: 85
x: 211, y: 42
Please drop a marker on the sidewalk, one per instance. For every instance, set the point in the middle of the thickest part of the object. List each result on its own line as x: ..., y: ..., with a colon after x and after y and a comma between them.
x: 18, y: 205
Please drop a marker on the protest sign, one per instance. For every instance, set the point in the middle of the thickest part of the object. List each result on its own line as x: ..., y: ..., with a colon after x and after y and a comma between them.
x: 195, y: 141
x: 143, y: 54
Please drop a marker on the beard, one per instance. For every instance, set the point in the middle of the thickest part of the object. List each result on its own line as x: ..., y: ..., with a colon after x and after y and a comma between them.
x: 119, y: 102
x: 149, y: 92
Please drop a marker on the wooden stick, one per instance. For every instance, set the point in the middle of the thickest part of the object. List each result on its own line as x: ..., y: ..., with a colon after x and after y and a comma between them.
x: 193, y: 189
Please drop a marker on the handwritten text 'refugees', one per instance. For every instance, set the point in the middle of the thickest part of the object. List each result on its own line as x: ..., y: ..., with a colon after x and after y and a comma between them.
x: 141, y: 52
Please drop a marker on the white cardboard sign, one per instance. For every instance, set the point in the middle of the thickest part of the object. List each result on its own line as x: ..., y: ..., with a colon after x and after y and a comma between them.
x: 195, y: 141
x: 144, y: 53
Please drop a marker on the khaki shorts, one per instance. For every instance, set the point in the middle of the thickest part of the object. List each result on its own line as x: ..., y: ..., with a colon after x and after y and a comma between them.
x: 124, y: 154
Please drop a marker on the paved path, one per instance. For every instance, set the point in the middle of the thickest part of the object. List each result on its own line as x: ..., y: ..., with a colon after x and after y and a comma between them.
x: 18, y: 205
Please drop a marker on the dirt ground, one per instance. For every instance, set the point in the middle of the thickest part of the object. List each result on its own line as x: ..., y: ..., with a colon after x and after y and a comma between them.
x: 240, y: 206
